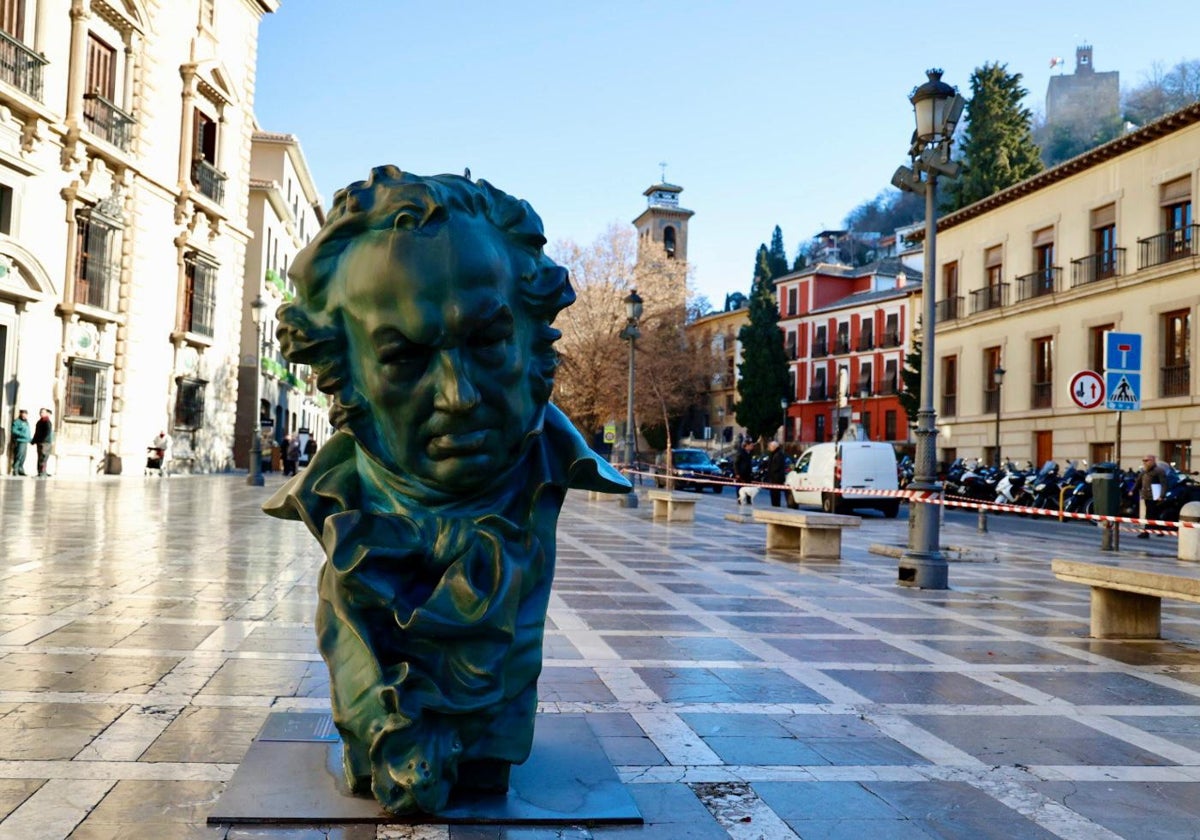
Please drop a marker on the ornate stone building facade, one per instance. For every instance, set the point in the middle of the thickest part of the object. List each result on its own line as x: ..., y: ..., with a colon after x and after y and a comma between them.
x: 125, y: 129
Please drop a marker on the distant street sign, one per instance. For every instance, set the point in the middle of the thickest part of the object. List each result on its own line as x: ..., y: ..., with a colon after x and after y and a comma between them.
x: 1123, y: 351
x: 1123, y: 370
x: 1124, y: 390
x: 1087, y: 389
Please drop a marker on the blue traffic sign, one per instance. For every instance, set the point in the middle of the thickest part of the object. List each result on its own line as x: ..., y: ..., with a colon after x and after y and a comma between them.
x: 1124, y: 390
x: 1122, y: 351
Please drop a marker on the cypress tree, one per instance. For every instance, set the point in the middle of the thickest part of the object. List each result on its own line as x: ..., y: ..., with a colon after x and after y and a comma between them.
x: 998, y: 149
x: 763, y: 374
x: 777, y: 260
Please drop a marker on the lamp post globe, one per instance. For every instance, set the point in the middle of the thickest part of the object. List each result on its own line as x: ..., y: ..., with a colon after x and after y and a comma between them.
x: 255, y: 476
x: 633, y: 313
x: 936, y: 110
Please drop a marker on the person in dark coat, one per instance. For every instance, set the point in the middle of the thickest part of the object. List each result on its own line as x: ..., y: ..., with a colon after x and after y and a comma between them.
x: 776, y: 470
x: 743, y: 471
x: 43, y: 439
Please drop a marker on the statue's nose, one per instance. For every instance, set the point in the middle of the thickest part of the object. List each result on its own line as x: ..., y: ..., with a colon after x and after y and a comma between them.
x: 453, y: 389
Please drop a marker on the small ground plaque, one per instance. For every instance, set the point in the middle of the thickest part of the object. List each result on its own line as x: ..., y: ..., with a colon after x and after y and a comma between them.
x: 292, y: 775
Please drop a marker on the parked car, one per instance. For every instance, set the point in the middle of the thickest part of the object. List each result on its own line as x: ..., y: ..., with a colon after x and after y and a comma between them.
x: 852, y: 464
x: 688, y: 465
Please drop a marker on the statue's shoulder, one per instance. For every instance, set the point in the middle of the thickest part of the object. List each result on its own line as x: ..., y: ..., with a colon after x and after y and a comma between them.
x: 582, y: 468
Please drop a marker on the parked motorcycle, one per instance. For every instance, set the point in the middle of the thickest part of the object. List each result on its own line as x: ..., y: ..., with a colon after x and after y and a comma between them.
x: 1011, y: 487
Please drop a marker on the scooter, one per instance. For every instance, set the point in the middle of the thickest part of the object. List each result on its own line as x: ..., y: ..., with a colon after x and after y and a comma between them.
x: 1011, y: 489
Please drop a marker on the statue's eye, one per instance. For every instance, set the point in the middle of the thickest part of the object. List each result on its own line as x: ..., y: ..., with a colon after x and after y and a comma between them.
x: 403, y: 354
x: 495, y: 333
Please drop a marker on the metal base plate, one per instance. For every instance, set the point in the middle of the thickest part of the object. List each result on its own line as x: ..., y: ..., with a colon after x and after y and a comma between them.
x: 292, y: 774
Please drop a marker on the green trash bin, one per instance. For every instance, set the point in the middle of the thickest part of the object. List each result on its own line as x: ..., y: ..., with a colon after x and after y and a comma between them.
x: 1106, y: 494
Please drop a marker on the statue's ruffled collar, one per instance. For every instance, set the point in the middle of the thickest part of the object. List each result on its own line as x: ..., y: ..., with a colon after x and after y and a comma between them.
x: 342, y: 476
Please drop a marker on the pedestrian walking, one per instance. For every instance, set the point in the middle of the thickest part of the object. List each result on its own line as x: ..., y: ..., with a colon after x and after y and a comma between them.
x: 310, y: 449
x: 291, y: 454
x: 1150, y: 486
x: 776, y: 470
x: 43, y: 439
x: 21, y: 435
x: 743, y: 471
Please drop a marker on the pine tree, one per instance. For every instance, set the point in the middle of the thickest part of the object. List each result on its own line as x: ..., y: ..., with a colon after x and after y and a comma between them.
x: 763, y: 374
x: 777, y: 260
x: 998, y: 149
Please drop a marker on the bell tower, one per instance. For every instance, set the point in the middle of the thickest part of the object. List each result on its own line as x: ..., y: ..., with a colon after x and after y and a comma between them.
x: 662, y: 227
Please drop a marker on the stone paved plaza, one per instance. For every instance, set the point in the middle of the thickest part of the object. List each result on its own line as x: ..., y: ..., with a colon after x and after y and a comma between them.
x: 148, y: 627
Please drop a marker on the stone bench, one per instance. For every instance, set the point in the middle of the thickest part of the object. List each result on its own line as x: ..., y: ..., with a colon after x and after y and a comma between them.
x: 817, y: 535
x: 1127, y: 602
x: 672, y: 506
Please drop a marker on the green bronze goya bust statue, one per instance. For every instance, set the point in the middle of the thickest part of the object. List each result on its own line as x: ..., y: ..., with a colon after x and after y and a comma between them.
x: 424, y: 306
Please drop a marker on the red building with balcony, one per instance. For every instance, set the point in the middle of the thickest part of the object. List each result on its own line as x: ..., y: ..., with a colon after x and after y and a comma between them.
x: 847, y: 331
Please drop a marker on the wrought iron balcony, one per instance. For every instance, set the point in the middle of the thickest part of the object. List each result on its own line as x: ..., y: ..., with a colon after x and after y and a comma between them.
x: 888, y: 388
x: 816, y: 393
x: 1098, y: 266
x: 819, y: 349
x: 949, y: 309
x: 1176, y: 380
x: 20, y: 66
x: 106, y: 120
x: 1042, y: 395
x: 1167, y: 246
x: 890, y: 339
x: 949, y: 405
x: 989, y: 297
x: 865, y: 388
x: 866, y: 341
x: 1044, y: 281
x: 209, y: 179
x: 842, y: 346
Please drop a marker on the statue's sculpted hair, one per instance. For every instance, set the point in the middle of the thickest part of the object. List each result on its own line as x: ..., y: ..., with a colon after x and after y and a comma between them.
x: 311, y: 328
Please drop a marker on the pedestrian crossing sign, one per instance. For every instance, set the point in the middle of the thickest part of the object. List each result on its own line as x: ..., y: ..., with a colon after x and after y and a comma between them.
x: 1124, y: 390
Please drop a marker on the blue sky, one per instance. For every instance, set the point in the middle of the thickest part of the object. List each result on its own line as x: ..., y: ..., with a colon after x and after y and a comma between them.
x: 767, y: 113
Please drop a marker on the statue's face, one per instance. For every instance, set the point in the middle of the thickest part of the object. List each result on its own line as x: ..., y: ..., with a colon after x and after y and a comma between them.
x: 439, y: 347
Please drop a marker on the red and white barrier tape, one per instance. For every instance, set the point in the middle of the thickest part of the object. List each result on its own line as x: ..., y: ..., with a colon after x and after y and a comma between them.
x: 929, y: 497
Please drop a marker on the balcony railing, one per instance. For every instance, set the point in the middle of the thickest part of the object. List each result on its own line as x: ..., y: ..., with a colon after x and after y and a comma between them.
x: 790, y: 351
x: 949, y: 309
x: 989, y: 297
x: 888, y: 388
x: 890, y: 339
x: 949, y: 405
x: 1176, y: 380
x: 819, y: 349
x: 20, y: 66
x: 1170, y: 245
x: 865, y: 388
x: 816, y: 393
x: 209, y: 179
x: 1098, y: 266
x: 842, y: 346
x: 866, y: 341
x: 991, y: 401
x: 1044, y: 281
x: 106, y: 120
x: 1042, y: 395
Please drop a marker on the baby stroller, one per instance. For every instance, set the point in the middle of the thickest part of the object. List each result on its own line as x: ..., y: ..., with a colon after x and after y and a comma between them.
x: 156, y: 462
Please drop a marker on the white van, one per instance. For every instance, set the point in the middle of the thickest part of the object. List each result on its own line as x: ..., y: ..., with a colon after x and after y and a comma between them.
x: 858, y: 464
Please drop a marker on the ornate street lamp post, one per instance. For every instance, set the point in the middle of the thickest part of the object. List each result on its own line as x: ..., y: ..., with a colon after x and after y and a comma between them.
x: 937, y: 107
x: 633, y: 312
x: 255, y: 478
x: 998, y: 378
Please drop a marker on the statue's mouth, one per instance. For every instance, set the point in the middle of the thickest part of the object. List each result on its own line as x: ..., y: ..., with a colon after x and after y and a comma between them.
x: 460, y: 443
